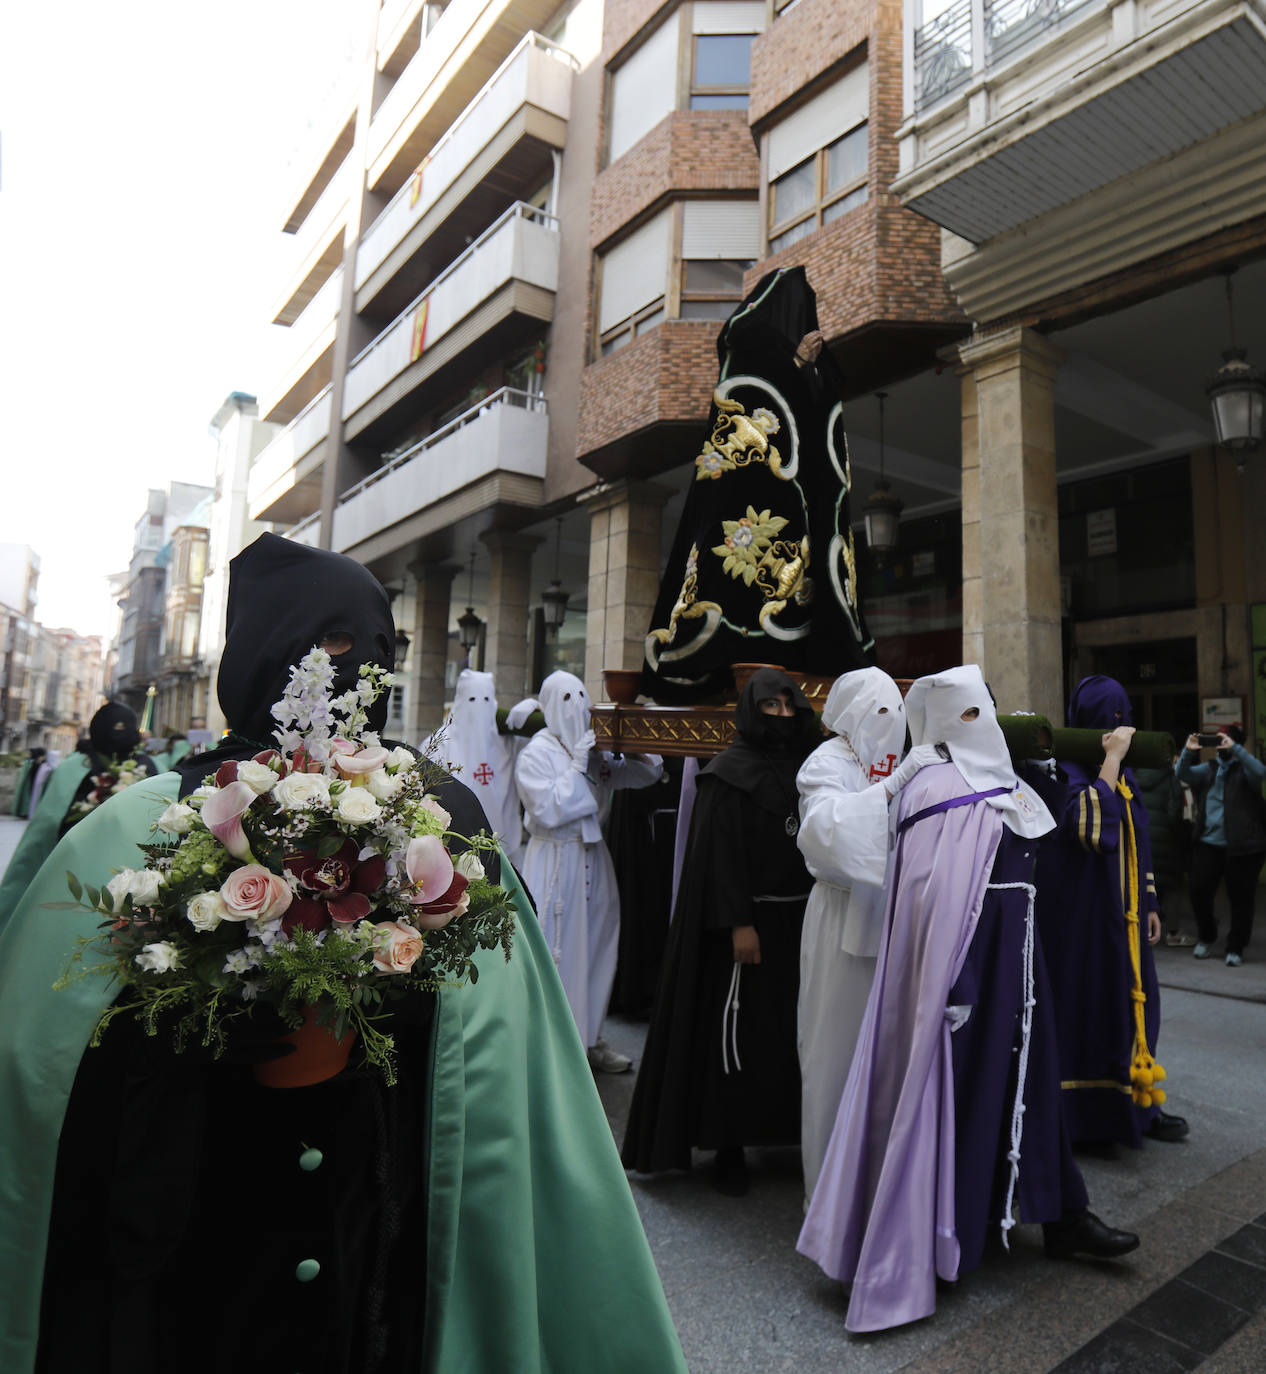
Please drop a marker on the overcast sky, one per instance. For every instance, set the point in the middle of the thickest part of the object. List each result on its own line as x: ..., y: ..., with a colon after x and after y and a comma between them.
x: 144, y: 148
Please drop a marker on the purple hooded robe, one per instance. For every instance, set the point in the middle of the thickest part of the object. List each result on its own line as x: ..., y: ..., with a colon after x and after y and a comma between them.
x: 1083, y: 884
x: 919, y: 1160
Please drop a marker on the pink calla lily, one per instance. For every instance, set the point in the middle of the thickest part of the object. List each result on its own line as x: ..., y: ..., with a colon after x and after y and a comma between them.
x: 439, y: 890
x: 222, y: 814
x: 362, y: 762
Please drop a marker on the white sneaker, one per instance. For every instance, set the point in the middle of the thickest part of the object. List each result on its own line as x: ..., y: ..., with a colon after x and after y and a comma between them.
x: 603, y: 1059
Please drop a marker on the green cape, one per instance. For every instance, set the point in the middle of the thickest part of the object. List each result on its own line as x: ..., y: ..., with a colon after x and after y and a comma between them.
x: 536, y: 1260
x: 22, y: 789
x: 40, y: 835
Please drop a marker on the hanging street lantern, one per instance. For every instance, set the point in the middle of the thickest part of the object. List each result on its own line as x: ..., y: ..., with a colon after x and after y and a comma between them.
x: 1237, y: 395
x: 554, y: 599
x: 882, y: 511
x: 469, y: 625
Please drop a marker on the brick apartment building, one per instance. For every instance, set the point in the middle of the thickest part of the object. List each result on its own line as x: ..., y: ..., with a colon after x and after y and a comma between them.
x: 512, y: 251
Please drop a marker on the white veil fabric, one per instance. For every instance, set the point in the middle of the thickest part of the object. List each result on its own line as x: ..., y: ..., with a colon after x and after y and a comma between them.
x: 865, y: 707
x: 934, y: 707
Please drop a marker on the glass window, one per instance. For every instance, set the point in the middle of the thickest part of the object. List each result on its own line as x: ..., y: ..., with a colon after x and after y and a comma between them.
x: 707, y: 310
x: 734, y: 101
x: 795, y: 191
x: 846, y: 159
x: 715, y: 276
x: 820, y: 189
x: 723, y: 59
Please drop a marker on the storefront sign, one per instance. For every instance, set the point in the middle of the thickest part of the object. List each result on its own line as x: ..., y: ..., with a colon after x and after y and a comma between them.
x: 1216, y: 713
x: 1101, y: 532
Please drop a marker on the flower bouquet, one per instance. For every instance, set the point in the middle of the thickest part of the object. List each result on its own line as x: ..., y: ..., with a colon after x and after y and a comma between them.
x: 114, y: 777
x: 318, y: 878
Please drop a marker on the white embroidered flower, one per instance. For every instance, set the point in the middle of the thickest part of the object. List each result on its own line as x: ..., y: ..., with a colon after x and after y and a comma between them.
x: 141, y: 884
x: 159, y: 957
x: 468, y: 865
x: 257, y: 776
x: 205, y: 911
x: 178, y: 819
x: 766, y: 421
x: 302, y: 792
x: 383, y: 785
x: 357, y: 806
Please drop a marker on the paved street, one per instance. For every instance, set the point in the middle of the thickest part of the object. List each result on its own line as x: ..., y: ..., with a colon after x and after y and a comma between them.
x: 743, y: 1300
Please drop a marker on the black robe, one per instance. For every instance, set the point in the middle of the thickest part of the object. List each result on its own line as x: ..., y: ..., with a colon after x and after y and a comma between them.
x: 763, y: 567
x: 706, y: 1079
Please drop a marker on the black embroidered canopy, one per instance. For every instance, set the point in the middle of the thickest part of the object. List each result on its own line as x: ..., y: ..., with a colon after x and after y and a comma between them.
x: 763, y: 567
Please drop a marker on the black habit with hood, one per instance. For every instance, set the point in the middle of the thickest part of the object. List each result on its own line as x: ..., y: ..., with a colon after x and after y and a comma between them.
x: 114, y: 736
x: 763, y: 567
x: 180, y: 1211
x: 712, y: 1077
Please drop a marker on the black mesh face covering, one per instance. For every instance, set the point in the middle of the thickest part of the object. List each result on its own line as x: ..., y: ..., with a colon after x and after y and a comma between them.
x: 283, y: 599
x: 114, y: 731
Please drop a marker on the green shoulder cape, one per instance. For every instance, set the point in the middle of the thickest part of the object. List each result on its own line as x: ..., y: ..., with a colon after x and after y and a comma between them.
x: 536, y: 1260
x: 40, y: 834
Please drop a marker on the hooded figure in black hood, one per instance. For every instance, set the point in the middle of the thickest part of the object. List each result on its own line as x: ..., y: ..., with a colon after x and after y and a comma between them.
x: 714, y: 1076
x: 138, y: 1114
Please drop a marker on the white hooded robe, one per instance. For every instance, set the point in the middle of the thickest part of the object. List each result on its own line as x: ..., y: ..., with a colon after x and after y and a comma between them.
x: 844, y: 839
x: 566, y: 865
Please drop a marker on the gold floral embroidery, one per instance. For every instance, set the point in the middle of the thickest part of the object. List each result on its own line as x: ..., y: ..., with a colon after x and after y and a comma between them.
x: 737, y: 440
x: 752, y: 553
x: 686, y: 607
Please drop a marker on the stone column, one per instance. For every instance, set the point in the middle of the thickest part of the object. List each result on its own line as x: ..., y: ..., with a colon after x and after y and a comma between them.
x: 429, y: 654
x: 624, y: 572
x: 509, y: 595
x: 1011, y: 609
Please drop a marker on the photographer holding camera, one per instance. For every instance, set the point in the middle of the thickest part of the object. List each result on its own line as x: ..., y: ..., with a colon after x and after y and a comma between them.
x: 1230, y: 839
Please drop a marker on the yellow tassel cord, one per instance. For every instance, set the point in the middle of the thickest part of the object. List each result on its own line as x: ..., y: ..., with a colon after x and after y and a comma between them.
x: 1145, y: 1072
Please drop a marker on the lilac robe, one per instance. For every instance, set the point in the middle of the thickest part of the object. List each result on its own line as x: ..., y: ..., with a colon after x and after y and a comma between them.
x: 900, y: 1199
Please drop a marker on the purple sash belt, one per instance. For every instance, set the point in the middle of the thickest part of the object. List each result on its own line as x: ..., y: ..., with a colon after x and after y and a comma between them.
x: 950, y: 805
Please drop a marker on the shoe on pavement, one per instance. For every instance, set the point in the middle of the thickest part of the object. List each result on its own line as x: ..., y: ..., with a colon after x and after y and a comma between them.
x: 1168, y: 1128
x: 1179, y: 939
x: 1202, y: 950
x: 1234, y: 960
x: 603, y: 1059
x: 1082, y: 1233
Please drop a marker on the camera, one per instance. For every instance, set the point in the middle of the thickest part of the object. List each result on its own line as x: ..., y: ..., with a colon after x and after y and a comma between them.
x: 1209, y: 741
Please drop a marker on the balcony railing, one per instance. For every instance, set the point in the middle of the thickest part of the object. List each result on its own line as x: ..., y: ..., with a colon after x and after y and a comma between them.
x: 522, y: 244
x: 506, y: 431
x: 275, y: 469
x: 955, y: 42
x: 324, y: 221
x: 307, y: 531
x: 537, y: 71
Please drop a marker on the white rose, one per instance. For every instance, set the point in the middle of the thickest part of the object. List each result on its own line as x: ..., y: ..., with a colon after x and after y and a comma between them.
x: 468, y: 865
x: 302, y: 792
x: 200, y: 794
x: 357, y: 806
x: 257, y: 776
x: 139, y: 883
x: 159, y: 958
x: 126, y: 778
x: 177, y: 819
x: 206, y: 911
x: 383, y: 785
x: 400, y: 757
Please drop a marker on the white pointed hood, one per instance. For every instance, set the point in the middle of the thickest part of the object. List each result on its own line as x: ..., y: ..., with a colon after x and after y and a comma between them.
x: 565, y: 705
x: 865, y: 708
x: 934, y: 708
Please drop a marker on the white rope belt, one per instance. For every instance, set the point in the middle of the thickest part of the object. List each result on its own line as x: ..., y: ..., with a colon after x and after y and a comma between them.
x: 729, y: 1022
x: 1022, y: 1069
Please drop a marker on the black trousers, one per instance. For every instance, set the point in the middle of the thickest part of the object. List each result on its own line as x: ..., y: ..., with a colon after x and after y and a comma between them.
x: 1210, y: 864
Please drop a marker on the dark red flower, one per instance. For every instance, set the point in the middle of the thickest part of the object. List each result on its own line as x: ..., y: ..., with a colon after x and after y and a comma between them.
x: 333, y: 889
x: 226, y: 773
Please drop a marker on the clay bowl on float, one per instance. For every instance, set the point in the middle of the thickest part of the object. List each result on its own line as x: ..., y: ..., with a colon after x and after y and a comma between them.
x: 622, y: 685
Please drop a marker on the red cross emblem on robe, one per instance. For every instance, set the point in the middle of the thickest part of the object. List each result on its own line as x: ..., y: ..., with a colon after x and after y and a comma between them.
x: 483, y: 775
x: 883, y: 770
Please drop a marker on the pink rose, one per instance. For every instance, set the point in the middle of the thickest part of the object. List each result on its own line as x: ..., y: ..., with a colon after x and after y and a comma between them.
x: 362, y: 762
x: 396, y: 947
x: 254, y: 893
x: 222, y: 814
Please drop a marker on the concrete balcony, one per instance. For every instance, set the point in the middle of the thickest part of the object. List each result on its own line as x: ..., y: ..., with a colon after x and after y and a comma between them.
x: 493, y: 454
x: 285, y: 479
x: 1014, y: 110
x: 509, y: 272
x: 311, y: 342
x: 316, y: 249
x: 468, y: 43
x: 1064, y: 142
x: 504, y: 136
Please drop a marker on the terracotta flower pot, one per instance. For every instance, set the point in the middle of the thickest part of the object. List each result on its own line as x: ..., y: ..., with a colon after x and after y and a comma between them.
x: 318, y: 1055
x: 622, y: 684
